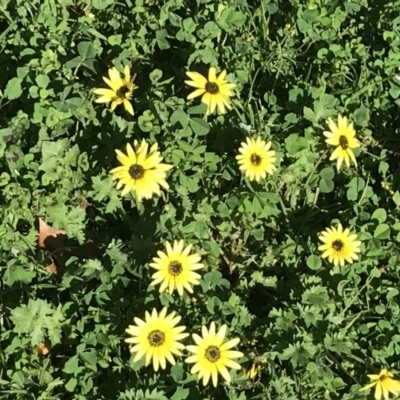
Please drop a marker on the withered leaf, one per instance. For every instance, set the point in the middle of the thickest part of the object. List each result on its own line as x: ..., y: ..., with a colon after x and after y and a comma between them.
x: 54, y: 242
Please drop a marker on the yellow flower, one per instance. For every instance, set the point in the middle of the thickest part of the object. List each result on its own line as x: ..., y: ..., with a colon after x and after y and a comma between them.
x: 216, y: 91
x: 157, y: 338
x: 176, y: 268
x: 120, y: 92
x: 254, y: 370
x: 256, y: 159
x: 339, y: 245
x: 212, y: 355
x: 142, y: 171
x: 384, y: 384
x: 343, y: 137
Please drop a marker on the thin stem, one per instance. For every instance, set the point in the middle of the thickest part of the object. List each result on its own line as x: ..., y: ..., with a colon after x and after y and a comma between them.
x: 315, y: 168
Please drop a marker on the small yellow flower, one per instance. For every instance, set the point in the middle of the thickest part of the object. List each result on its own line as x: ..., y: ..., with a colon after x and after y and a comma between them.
x: 256, y: 159
x: 157, y: 338
x: 212, y: 355
x: 216, y: 91
x: 343, y: 137
x: 384, y: 384
x: 254, y: 370
x: 176, y: 268
x: 339, y: 245
x: 120, y: 92
x: 142, y: 171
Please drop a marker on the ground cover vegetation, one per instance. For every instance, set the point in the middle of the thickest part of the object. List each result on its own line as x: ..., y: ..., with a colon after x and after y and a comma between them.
x: 199, y: 199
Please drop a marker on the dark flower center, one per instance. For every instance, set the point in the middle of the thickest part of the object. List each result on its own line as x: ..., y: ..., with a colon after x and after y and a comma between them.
x: 344, y: 143
x: 255, y: 159
x: 156, y: 338
x: 212, y: 354
x: 212, y: 88
x: 136, y: 171
x: 175, y: 268
x: 122, y: 91
x: 338, y: 245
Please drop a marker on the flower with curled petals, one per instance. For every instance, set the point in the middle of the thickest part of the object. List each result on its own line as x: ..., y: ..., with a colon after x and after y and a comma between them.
x: 384, y: 384
x: 343, y: 136
x: 212, y: 356
x: 176, y: 268
x: 120, y: 90
x: 157, y: 338
x: 216, y: 91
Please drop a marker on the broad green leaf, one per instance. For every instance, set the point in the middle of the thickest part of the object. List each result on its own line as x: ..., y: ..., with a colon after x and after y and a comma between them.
x: 13, y: 89
x: 382, y: 231
x: 199, y: 126
x: 86, y: 50
x: 181, y: 117
x: 314, y: 262
x: 326, y: 186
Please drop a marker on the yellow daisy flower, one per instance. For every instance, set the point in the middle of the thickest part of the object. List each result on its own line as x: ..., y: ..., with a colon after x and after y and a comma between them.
x: 176, y: 268
x: 256, y: 159
x: 339, y: 245
x: 142, y: 171
x: 216, y: 91
x: 120, y: 92
x: 212, y: 355
x: 157, y: 338
x: 342, y: 135
x: 384, y: 384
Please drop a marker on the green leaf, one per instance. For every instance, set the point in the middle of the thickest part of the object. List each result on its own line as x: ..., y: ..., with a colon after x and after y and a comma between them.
x: 156, y: 75
x: 326, y: 186
x: 42, y: 81
x: 379, y: 214
x: 361, y: 116
x: 38, y: 319
x: 177, y: 372
x: 13, y: 89
x: 181, y: 117
x: 199, y: 126
x: 86, y: 50
x: 382, y: 231
x: 314, y: 262
x: 180, y: 393
x: 327, y: 173
x: 71, y: 385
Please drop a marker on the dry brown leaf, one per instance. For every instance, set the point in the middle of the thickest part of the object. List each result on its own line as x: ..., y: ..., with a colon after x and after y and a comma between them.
x: 51, y: 268
x: 54, y: 242
x: 48, y: 235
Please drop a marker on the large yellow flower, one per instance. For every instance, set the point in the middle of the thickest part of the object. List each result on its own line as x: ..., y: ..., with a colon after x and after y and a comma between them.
x: 142, y: 171
x: 384, y: 384
x: 212, y: 355
x: 339, y: 245
x: 216, y: 91
x: 176, y: 268
x: 120, y: 92
x: 157, y: 338
x: 342, y: 135
x: 256, y: 159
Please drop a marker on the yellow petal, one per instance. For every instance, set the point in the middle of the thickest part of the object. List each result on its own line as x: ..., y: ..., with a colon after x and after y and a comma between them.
x: 212, y: 77
x: 197, y: 92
